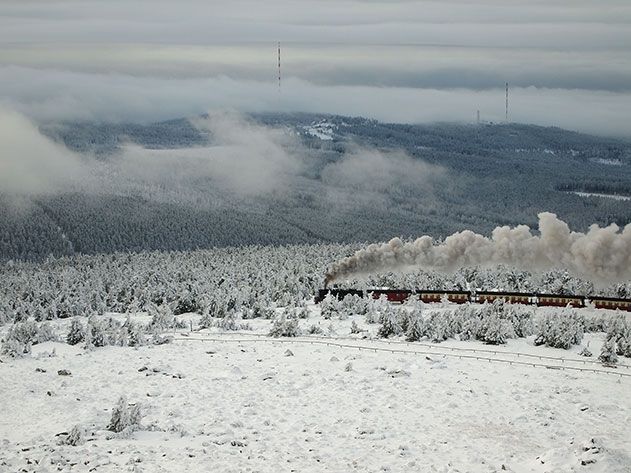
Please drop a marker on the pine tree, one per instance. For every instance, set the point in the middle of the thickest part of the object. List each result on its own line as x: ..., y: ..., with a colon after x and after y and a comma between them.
x: 608, y: 354
x: 389, y: 325
x: 76, y: 334
x: 355, y: 328
x: 416, y: 327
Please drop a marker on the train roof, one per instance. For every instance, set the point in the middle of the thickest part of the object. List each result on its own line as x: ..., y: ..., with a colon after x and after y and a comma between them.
x: 603, y: 298
x: 560, y: 296
x: 388, y: 290
x: 504, y: 293
x: 438, y: 291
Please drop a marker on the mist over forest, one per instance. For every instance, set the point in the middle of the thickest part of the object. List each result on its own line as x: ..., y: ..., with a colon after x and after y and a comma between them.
x: 225, y: 179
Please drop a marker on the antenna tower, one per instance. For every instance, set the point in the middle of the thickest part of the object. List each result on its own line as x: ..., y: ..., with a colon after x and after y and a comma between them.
x: 507, y: 102
x: 279, y: 67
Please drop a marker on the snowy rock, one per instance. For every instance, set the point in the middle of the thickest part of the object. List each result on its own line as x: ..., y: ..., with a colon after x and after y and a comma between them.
x: 398, y: 373
x: 64, y: 373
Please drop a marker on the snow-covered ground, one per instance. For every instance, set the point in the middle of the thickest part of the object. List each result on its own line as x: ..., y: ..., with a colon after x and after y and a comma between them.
x: 609, y: 162
x: 605, y: 196
x: 323, y: 130
x: 233, y: 402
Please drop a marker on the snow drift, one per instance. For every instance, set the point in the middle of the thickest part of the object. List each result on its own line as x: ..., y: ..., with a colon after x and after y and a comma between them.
x: 601, y: 255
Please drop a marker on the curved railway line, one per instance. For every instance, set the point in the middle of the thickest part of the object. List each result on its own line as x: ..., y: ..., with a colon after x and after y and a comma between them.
x: 562, y: 364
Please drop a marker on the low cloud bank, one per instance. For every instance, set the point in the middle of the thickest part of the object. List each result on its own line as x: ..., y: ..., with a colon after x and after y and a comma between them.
x: 48, y: 95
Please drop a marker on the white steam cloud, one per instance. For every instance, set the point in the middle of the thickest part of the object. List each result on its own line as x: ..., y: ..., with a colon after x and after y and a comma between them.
x: 601, y: 255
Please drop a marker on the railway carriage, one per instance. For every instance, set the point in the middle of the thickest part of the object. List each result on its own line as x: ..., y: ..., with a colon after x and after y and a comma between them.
x: 611, y: 303
x: 510, y: 297
x: 393, y: 295
x: 461, y: 297
x: 458, y: 297
x: 556, y: 300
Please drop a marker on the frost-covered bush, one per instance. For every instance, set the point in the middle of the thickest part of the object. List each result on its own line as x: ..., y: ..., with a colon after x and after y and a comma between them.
x: 490, y: 323
x: 76, y: 333
x: 162, y: 318
x: 315, y: 330
x: 416, y: 327
x: 439, y: 326
x: 14, y: 349
x: 230, y: 322
x: 352, y: 304
x: 521, y: 318
x: 560, y: 330
x: 596, y: 322
x: 285, y: 327
x: 495, y: 324
x: 24, y: 332
x: 45, y: 333
x: 19, y: 339
x: 495, y: 330
x: 355, y: 328
x: 302, y: 312
x: 376, y: 308
x: 260, y: 309
x: 390, y: 324
x: 608, y: 354
x: 329, y: 307
x: 125, y: 417
x: 585, y: 351
x: 96, y: 333
x: 618, y: 330
x: 102, y: 332
x: 134, y: 334
x: 75, y: 437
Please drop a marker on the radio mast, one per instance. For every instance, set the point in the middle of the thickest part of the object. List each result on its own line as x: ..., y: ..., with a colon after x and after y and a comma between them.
x: 279, y: 67
x: 507, y: 102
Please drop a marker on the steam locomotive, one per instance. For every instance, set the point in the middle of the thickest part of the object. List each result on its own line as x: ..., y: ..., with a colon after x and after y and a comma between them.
x: 480, y: 297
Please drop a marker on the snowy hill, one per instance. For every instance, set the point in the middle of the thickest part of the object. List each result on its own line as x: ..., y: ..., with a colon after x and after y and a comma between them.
x: 325, y: 178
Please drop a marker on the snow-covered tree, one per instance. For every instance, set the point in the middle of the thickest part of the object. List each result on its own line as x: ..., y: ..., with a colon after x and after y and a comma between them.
x: 416, y: 327
x: 560, y: 330
x: 125, y: 416
x: 608, y: 354
x: 285, y: 327
x: 76, y: 333
x: 389, y: 325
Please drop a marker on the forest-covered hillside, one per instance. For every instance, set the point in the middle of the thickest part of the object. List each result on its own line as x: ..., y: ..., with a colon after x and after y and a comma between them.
x: 339, y: 179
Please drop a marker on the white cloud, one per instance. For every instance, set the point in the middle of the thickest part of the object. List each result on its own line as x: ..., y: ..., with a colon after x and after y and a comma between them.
x: 378, y: 171
x: 31, y: 163
x: 55, y: 95
x: 244, y: 158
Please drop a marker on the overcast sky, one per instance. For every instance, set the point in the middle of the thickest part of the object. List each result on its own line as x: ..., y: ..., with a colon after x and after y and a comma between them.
x: 568, y: 61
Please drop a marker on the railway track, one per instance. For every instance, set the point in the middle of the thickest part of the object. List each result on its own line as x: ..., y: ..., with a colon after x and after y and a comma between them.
x: 490, y: 356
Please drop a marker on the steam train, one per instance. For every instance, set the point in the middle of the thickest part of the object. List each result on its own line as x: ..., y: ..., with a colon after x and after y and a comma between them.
x: 480, y: 297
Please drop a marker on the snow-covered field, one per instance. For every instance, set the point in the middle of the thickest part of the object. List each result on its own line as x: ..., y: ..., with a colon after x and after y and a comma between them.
x: 232, y: 402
